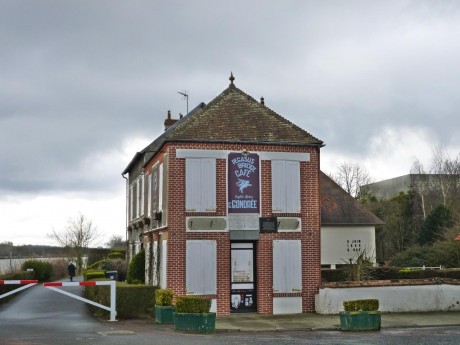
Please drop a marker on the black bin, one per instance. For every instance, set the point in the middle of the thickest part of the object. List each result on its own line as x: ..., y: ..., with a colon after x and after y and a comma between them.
x: 112, y: 275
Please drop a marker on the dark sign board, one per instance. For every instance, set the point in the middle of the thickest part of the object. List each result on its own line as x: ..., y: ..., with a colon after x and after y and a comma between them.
x: 243, y: 183
x: 268, y: 224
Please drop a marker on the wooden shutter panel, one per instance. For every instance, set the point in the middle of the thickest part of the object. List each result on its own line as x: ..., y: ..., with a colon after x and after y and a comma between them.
x: 292, y: 180
x: 208, y: 184
x: 287, y: 266
x: 192, y: 184
x: 278, y: 194
x: 164, y: 249
x: 293, y: 266
x: 160, y: 188
x: 201, y: 275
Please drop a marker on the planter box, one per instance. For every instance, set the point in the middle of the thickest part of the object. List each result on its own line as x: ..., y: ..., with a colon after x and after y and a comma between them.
x: 195, y: 322
x: 164, y: 314
x: 360, y: 320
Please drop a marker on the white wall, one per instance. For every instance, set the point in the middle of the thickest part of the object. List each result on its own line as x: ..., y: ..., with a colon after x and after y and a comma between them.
x: 339, y: 243
x: 420, y: 298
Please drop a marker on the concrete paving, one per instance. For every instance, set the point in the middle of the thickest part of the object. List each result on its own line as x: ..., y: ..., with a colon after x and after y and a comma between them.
x: 252, y: 322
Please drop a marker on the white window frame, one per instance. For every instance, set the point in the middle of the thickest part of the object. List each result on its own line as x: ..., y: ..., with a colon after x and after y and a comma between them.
x: 286, y: 186
x: 201, y: 267
x: 287, y: 266
x: 160, y: 188
x: 200, y: 184
x: 149, y: 195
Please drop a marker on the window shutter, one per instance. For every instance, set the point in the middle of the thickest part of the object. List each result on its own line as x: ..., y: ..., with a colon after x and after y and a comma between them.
x: 160, y: 188
x: 292, y: 186
x: 278, y: 195
x: 131, y: 202
x: 201, y: 277
x: 149, y: 195
x: 208, y: 184
x: 287, y: 266
x: 200, y: 184
x: 192, y: 184
x: 163, y: 263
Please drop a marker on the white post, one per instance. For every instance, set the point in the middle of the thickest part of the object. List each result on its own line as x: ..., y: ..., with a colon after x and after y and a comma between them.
x: 113, y: 301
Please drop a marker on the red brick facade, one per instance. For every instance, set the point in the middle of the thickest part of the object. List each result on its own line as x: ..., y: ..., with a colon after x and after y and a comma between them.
x: 175, y: 230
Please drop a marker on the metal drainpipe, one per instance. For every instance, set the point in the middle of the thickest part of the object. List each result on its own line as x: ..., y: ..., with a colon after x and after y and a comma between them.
x: 126, y: 215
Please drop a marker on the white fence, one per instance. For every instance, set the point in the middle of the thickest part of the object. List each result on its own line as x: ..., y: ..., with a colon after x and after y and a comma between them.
x: 419, y: 298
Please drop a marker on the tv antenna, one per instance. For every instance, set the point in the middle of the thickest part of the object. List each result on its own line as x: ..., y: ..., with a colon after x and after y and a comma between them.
x: 185, y: 94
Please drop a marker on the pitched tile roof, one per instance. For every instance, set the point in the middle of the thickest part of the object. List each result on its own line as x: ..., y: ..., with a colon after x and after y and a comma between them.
x: 340, y: 208
x: 231, y: 117
x: 234, y: 116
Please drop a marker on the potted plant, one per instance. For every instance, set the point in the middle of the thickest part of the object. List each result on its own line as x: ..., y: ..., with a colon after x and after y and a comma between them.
x: 360, y: 315
x: 164, y: 308
x: 193, y: 314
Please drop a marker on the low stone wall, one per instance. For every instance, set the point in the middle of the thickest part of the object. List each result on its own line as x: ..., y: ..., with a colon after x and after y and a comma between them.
x: 394, y: 296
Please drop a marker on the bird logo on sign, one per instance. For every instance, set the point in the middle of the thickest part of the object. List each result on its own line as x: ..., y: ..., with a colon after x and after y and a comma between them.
x: 242, y: 184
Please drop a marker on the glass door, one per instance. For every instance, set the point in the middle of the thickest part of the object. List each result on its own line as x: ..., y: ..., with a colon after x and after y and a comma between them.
x: 243, y: 292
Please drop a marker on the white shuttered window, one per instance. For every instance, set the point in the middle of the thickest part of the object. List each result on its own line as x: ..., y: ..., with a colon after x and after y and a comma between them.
x: 287, y: 266
x: 286, y: 186
x: 200, y: 184
x: 201, y: 267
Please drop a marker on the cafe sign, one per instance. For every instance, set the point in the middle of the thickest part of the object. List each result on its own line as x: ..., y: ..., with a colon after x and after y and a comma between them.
x: 243, y: 183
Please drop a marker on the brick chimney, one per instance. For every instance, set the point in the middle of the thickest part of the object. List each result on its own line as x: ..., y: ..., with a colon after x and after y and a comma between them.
x: 169, y: 122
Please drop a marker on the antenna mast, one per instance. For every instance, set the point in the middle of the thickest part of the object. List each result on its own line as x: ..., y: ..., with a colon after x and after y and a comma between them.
x: 185, y: 94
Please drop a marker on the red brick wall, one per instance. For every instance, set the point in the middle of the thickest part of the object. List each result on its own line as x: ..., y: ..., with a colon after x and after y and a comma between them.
x: 310, y: 234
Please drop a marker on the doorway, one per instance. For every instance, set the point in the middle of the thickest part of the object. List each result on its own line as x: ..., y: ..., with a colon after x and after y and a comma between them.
x: 243, y: 284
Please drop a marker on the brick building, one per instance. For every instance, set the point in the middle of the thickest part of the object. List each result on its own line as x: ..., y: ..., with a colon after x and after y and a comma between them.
x: 226, y: 204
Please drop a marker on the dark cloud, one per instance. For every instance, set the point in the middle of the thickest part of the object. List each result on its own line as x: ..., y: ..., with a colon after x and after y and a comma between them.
x: 79, y: 79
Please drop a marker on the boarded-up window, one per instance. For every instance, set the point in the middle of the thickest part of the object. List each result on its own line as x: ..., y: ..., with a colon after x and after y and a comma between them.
x: 287, y: 266
x: 285, y: 186
x: 201, y: 268
x: 200, y: 184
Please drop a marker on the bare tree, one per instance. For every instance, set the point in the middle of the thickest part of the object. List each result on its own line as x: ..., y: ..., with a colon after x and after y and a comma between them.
x: 448, y: 170
x: 352, y: 177
x: 76, y: 237
x: 116, y: 242
x: 421, y: 183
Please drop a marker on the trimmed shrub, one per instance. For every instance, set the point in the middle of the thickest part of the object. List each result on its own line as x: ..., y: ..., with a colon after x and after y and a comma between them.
x: 93, y: 274
x: 133, y: 301
x: 136, y: 269
x: 361, y: 305
x: 42, y: 271
x: 192, y: 304
x: 164, y: 297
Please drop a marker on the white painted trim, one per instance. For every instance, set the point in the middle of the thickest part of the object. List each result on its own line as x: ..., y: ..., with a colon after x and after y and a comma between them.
x: 187, y: 229
x: 223, y: 154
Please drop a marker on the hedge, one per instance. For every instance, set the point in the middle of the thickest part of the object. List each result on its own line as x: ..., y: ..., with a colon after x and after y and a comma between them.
x: 42, y: 271
x: 133, y: 301
x: 93, y: 274
x: 192, y: 304
x: 361, y: 305
x: 164, y: 297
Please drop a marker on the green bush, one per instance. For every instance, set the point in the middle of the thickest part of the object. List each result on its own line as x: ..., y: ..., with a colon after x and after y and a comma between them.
x: 93, y: 274
x: 42, y: 271
x: 192, y: 304
x: 164, y: 297
x: 361, y: 305
x: 133, y: 301
x: 136, y: 268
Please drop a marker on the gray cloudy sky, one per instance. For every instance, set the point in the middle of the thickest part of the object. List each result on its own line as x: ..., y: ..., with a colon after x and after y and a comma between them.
x: 86, y: 84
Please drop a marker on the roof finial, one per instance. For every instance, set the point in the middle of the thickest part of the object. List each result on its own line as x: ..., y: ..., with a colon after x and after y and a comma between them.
x: 232, y: 78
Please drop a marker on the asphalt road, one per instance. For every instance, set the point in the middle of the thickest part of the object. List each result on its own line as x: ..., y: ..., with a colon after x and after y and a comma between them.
x: 39, y: 316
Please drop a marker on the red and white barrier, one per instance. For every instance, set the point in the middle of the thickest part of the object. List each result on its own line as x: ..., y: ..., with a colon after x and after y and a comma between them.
x: 18, y: 282
x: 113, y: 299
x: 25, y: 285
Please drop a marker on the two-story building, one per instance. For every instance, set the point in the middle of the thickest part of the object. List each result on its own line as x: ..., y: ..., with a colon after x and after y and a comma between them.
x: 226, y: 204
